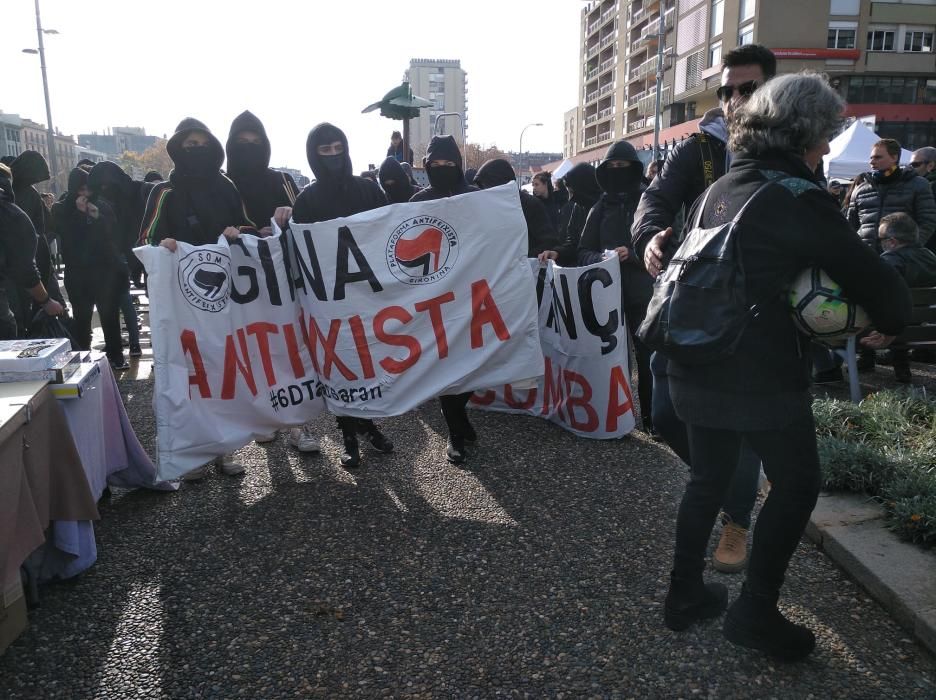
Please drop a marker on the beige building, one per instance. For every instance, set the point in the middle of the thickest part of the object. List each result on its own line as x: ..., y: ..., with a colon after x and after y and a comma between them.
x: 445, y: 83
x: 34, y: 138
x: 878, y: 54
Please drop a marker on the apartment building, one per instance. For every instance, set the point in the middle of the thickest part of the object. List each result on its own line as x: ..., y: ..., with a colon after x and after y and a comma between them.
x: 445, y: 83
x: 877, y: 53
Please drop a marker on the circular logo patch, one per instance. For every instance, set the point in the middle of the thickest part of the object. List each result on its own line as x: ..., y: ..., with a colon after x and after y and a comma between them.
x: 204, y: 280
x: 422, y: 250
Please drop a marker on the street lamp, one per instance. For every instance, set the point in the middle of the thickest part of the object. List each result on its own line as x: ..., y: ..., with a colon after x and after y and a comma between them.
x: 50, y: 134
x: 520, y: 158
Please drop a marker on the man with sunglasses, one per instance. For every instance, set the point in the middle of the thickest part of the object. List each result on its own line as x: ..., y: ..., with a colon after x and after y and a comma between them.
x: 923, y: 163
x: 691, y: 167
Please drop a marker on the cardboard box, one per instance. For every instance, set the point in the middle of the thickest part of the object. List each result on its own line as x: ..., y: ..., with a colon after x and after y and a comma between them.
x: 13, y: 619
x: 60, y: 370
x: 31, y: 355
x: 71, y: 389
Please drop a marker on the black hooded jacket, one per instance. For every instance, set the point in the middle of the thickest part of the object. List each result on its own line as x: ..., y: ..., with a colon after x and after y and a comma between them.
x: 109, y: 182
x: 581, y: 180
x: 540, y: 233
x: 17, y: 244
x: 336, y: 192
x: 89, y: 244
x: 29, y: 168
x: 609, y: 223
x: 248, y: 165
x: 443, y: 148
x: 198, y: 202
x: 402, y: 189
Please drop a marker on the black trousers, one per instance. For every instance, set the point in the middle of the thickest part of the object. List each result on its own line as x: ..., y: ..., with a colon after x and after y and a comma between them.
x: 455, y: 413
x: 352, y: 427
x: 791, y: 462
x: 100, y: 287
x: 635, y: 316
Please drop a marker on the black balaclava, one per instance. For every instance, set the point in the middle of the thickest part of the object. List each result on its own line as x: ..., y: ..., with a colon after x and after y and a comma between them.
x: 391, y: 171
x: 328, y: 170
x: 581, y: 181
x: 494, y: 172
x: 246, y: 159
x: 619, y: 181
x: 200, y: 162
x: 444, y: 178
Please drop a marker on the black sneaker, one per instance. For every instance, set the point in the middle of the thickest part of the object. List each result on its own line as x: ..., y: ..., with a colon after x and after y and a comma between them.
x: 684, y: 606
x: 379, y: 441
x: 754, y: 622
x: 829, y: 376
x: 351, y: 457
x: 136, y: 351
x: 455, y: 449
x: 119, y: 365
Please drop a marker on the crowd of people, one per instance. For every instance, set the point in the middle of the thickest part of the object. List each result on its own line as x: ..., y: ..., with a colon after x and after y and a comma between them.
x: 761, y: 150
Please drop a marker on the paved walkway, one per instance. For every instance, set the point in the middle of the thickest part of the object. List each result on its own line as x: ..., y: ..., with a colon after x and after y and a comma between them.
x: 537, y: 571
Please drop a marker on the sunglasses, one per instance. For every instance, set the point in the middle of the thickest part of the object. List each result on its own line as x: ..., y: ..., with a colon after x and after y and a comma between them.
x: 725, y: 92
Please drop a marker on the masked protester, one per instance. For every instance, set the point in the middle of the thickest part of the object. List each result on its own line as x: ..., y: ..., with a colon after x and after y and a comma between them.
x: 248, y: 165
x: 394, y: 181
x: 608, y: 233
x: 583, y: 191
x: 540, y: 234
x: 17, y: 260
x: 443, y: 164
x: 335, y: 193
x: 196, y: 205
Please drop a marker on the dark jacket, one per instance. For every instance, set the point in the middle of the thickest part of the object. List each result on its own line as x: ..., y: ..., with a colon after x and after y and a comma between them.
x: 29, y: 169
x: 89, y: 244
x: 398, y: 155
x: 17, y: 244
x: 540, y: 233
x: 443, y: 148
x: 680, y: 182
x: 903, y: 191
x: 402, y: 189
x: 609, y: 223
x: 198, y: 202
x: 916, y: 264
x: 790, y: 226
x: 336, y: 192
x: 261, y: 188
x: 581, y: 181
x: 109, y: 182
x: 553, y: 209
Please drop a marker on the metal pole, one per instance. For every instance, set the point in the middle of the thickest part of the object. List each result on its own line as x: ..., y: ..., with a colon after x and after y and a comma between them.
x: 659, y: 86
x: 50, y: 134
x: 461, y: 120
x: 520, y: 158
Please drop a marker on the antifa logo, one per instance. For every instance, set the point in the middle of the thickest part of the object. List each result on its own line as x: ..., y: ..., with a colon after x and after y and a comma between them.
x: 204, y: 280
x: 422, y: 250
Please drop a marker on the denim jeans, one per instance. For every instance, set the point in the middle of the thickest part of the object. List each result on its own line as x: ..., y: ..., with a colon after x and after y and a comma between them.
x: 130, y: 319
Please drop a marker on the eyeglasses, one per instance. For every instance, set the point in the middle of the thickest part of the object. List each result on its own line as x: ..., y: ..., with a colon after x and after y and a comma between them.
x: 920, y: 163
x: 725, y: 92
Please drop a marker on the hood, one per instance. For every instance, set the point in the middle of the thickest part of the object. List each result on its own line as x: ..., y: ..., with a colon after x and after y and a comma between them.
x: 246, y: 121
x: 581, y: 180
x: 622, y: 150
x: 6, y: 183
x: 713, y: 123
x: 106, y: 175
x: 153, y: 176
x: 326, y: 133
x: 470, y: 175
x: 77, y: 178
x: 408, y: 169
x: 402, y: 188
x: 186, y: 127
x: 494, y: 172
x: 443, y: 148
x: 29, y: 168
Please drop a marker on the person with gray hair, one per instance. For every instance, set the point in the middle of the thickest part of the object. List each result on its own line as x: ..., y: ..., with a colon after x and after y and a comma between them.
x: 760, y: 393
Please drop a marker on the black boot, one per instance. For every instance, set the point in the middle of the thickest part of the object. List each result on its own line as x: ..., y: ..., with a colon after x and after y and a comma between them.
x: 351, y: 457
x: 377, y: 439
x: 455, y: 449
x: 753, y: 621
x: 691, y: 601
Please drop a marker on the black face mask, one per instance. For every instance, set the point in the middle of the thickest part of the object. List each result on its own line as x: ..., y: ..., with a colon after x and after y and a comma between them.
x: 334, y: 165
x: 246, y: 157
x: 618, y: 180
x: 445, y: 177
x: 198, y: 160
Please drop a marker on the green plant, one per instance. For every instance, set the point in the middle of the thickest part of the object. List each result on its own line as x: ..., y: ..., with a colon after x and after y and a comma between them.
x: 853, y: 466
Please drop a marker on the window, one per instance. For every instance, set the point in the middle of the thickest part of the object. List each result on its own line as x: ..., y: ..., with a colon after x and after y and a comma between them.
x: 718, y: 17
x: 841, y: 39
x: 747, y: 10
x: 844, y: 7
x: 884, y: 89
x: 918, y: 41
x: 746, y: 35
x: 880, y: 40
x: 714, y: 54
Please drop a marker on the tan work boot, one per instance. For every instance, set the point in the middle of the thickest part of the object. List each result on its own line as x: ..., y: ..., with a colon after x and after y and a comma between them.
x: 731, y: 554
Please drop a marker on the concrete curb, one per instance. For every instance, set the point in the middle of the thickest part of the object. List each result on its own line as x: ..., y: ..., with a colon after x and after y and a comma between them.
x: 900, y: 576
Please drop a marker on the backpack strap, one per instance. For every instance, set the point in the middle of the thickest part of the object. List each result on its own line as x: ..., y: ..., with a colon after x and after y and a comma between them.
x: 770, y: 181
x: 708, y: 162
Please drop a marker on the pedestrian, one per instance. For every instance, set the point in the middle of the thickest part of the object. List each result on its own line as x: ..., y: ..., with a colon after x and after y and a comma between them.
x: 761, y: 392
x: 541, y: 236
x: 583, y: 191
x: 692, y: 166
x: 396, y: 151
x: 543, y: 190
x: 196, y: 205
x: 444, y: 167
x: 923, y: 163
x: 17, y: 260
x: 394, y: 181
x: 336, y: 192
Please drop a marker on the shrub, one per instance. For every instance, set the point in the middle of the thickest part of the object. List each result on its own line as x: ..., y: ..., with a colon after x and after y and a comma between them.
x: 853, y: 466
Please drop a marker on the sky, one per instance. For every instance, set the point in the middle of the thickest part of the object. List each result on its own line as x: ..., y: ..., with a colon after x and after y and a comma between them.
x: 293, y: 64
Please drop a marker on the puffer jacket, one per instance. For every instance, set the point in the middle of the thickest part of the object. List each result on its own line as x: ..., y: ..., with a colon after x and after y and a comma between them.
x: 904, y: 191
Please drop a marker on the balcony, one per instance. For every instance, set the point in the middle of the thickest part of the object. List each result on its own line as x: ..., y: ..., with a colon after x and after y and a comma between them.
x: 647, y: 105
x: 591, y: 96
x: 604, y: 114
x: 608, y: 40
x: 643, y: 42
x: 654, y: 26
x: 591, y: 118
x: 605, y: 89
x: 593, y: 51
x: 608, y: 14
x: 636, y: 124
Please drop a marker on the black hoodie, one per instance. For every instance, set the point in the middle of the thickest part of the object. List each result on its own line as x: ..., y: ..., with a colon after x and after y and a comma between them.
x: 443, y: 148
x: 609, y: 223
x: 89, y: 244
x: 17, y: 246
x: 198, y: 202
x: 540, y: 233
x: 581, y: 181
x: 109, y: 182
x: 248, y: 165
x: 336, y: 192
x: 30, y: 168
x: 402, y: 189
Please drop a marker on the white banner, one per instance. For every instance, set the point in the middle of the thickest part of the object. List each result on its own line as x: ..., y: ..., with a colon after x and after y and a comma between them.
x: 412, y: 301
x: 230, y: 359
x: 586, y: 387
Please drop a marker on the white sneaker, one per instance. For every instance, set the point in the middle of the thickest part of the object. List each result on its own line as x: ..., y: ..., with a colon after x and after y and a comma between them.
x: 196, y: 474
x: 230, y: 466
x: 303, y: 439
x: 266, y: 438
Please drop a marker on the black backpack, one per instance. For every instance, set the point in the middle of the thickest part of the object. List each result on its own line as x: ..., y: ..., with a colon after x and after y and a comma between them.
x: 699, y: 307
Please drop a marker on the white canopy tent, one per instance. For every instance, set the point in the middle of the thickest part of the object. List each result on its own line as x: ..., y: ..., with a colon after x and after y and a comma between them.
x: 849, y: 151
x: 564, y: 167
